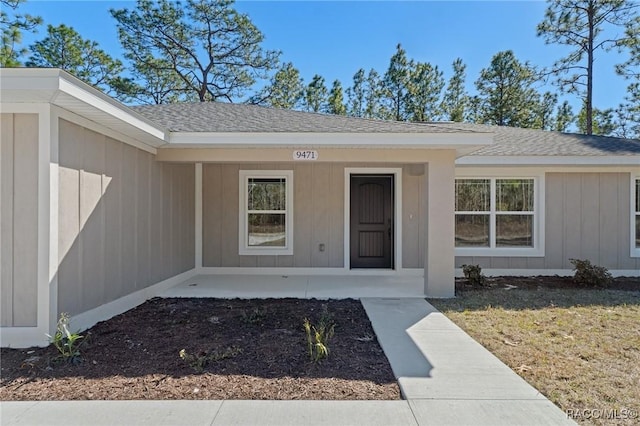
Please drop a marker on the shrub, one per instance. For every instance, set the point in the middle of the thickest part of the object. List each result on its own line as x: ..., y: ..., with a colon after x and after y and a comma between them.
x: 473, y: 274
x: 590, y: 275
x: 67, y: 343
x: 318, y: 337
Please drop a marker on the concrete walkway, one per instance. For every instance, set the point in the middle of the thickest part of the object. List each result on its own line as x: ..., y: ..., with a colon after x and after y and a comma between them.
x: 445, y: 377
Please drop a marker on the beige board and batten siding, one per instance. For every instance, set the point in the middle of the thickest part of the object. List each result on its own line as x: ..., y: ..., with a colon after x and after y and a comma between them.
x: 125, y: 221
x: 318, y: 215
x: 586, y: 217
x: 19, y: 220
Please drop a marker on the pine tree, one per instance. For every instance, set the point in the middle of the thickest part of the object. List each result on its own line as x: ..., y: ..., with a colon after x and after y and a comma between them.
x: 12, y: 25
x: 285, y: 90
x: 455, y: 98
x: 425, y: 87
x: 579, y: 24
x: 214, y: 51
x: 396, y: 85
x: 505, y: 94
x: 64, y: 48
x: 335, y: 103
x: 316, y: 95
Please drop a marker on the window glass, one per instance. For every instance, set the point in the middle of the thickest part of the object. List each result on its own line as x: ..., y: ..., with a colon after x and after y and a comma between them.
x: 514, y: 195
x: 494, y: 213
x: 266, y: 230
x: 473, y: 195
x: 514, y: 230
x: 472, y: 230
x: 266, y: 194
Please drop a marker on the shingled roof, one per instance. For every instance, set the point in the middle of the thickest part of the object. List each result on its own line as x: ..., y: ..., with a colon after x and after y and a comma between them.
x: 216, y: 117
x: 243, y: 118
x: 513, y: 141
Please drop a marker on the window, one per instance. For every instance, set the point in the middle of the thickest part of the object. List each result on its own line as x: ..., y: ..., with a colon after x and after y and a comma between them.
x: 266, y: 212
x: 495, y: 214
x: 635, y: 217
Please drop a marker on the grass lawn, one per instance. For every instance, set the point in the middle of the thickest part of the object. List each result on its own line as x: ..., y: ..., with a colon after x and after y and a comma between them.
x: 579, y: 347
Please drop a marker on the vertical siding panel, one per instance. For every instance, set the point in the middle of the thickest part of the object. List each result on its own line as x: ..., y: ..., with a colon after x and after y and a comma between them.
x: 229, y: 211
x: 6, y: 226
x: 302, y: 215
x: 411, y: 220
x: 535, y: 263
x: 609, y: 203
x: 157, y: 221
x: 624, y: 231
x: 167, y: 220
x: 463, y: 260
x: 113, y: 213
x: 189, y: 210
x: 92, y: 220
x: 572, y: 219
x: 590, y: 224
x: 554, y: 220
x: 25, y: 220
x: 69, y: 245
x: 128, y: 223
x: 321, y: 181
x: 336, y: 221
x: 142, y: 226
x: 212, y: 215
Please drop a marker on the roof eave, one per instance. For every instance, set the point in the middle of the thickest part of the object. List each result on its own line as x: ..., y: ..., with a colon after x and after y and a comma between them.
x: 549, y: 160
x: 463, y: 143
x: 57, y: 87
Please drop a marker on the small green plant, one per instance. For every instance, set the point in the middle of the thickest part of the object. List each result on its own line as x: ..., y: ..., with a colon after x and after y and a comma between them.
x: 589, y: 275
x: 255, y: 316
x: 318, y: 336
x: 200, y: 361
x: 67, y: 343
x: 473, y: 274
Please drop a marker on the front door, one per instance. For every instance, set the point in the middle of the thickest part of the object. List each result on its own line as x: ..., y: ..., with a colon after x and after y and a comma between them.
x: 372, y: 223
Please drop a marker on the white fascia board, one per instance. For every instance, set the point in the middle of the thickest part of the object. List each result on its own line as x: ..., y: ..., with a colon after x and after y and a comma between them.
x: 104, y: 103
x: 461, y: 141
x: 550, y: 160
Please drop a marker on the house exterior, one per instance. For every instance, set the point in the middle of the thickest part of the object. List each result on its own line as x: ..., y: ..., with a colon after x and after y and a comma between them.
x: 103, y: 206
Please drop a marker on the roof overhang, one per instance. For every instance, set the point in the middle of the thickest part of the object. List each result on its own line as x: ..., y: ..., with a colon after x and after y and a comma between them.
x: 57, y: 87
x: 549, y: 160
x: 462, y: 143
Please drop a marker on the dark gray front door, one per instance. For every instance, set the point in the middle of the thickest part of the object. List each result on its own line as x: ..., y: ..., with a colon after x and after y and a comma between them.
x: 371, y: 223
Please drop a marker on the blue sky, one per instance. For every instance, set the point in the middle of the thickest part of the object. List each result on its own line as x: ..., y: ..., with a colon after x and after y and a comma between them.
x: 336, y: 38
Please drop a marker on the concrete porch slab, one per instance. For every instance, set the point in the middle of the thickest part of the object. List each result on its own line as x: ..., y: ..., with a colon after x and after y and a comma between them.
x: 298, y: 286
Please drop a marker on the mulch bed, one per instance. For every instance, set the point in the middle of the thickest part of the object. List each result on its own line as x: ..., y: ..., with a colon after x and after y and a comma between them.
x: 542, y: 282
x: 136, y: 355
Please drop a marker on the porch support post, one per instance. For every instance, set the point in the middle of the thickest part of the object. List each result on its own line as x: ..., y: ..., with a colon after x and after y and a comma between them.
x: 439, y: 280
x: 198, y: 218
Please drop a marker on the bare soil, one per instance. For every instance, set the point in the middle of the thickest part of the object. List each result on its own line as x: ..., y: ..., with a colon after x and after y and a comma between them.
x: 260, y: 346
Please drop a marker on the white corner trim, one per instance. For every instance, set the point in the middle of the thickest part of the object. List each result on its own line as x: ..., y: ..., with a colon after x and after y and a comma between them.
x: 243, y: 226
x: 397, y: 229
x: 90, y: 318
x: 198, y: 219
x: 545, y: 272
x: 47, y: 247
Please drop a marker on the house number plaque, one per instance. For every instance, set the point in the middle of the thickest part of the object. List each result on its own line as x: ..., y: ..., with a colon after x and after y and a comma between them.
x: 305, y: 155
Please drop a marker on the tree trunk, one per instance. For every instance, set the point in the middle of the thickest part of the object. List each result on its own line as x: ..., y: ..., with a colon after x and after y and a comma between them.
x: 589, y: 100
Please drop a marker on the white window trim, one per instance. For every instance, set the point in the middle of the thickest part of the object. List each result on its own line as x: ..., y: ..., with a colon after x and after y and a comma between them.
x: 634, y: 251
x: 243, y: 247
x: 538, y: 218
